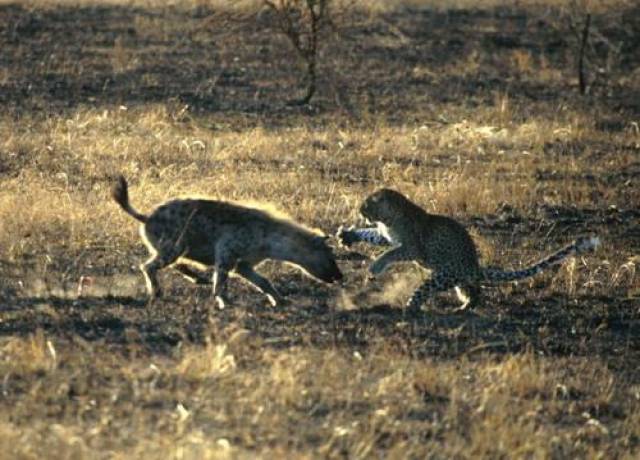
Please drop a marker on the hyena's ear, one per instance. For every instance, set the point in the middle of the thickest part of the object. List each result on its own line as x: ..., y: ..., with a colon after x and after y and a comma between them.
x: 320, y: 240
x: 377, y: 196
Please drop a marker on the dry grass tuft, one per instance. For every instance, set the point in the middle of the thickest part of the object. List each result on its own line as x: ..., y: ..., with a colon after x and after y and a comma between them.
x: 27, y: 356
x: 210, y: 362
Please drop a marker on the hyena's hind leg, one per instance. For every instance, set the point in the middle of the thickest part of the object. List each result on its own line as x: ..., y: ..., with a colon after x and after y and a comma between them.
x: 150, y: 269
x: 192, y: 274
x: 246, y: 270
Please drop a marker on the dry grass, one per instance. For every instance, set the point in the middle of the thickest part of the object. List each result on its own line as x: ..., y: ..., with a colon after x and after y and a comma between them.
x: 285, y: 402
x: 471, y: 109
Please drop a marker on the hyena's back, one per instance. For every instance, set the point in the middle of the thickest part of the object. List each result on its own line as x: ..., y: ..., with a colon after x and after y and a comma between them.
x: 195, y: 228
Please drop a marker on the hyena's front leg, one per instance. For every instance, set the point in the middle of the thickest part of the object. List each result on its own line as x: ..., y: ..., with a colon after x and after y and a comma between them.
x: 397, y: 254
x: 245, y: 270
x: 220, y: 277
x: 224, y: 263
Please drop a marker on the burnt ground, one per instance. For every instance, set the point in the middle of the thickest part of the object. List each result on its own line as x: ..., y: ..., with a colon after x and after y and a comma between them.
x: 513, y: 318
x: 58, y: 58
x: 235, y: 73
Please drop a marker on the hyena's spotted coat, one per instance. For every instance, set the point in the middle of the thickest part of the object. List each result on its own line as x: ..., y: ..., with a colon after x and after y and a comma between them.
x: 227, y: 236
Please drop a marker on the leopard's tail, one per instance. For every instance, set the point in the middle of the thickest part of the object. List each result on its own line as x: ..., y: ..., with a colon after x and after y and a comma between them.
x: 120, y: 193
x: 579, y: 246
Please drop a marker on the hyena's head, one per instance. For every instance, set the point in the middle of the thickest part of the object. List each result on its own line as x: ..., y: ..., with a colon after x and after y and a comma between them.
x: 383, y: 205
x: 318, y: 260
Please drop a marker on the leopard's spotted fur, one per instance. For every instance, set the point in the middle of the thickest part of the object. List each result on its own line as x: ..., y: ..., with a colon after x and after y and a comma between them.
x: 438, y: 243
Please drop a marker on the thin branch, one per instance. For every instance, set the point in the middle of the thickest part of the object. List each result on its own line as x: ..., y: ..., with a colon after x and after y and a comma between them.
x: 302, y: 21
x: 582, y: 78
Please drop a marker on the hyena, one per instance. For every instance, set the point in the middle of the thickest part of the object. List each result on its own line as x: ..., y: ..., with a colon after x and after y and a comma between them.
x: 228, y: 237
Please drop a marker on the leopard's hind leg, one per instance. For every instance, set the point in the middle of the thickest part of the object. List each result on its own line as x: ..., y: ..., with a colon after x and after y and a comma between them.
x: 439, y: 282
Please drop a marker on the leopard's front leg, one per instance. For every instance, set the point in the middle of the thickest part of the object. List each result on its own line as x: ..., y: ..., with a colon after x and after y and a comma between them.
x: 397, y: 254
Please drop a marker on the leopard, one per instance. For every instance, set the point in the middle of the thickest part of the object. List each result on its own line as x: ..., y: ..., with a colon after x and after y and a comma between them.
x: 193, y: 235
x: 438, y: 243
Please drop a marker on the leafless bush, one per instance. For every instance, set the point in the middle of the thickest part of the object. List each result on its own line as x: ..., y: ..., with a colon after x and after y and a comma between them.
x: 304, y: 23
x: 597, y: 54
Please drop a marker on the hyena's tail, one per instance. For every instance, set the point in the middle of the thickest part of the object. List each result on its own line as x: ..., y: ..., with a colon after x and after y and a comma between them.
x: 120, y: 193
x: 579, y: 246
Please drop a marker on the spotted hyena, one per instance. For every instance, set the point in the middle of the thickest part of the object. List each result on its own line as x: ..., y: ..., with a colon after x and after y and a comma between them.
x: 228, y: 237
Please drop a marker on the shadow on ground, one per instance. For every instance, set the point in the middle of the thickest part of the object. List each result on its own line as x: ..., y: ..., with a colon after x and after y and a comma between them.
x: 556, y: 325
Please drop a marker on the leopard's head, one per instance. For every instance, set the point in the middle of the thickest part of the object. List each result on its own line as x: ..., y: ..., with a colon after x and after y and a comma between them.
x: 383, y: 206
